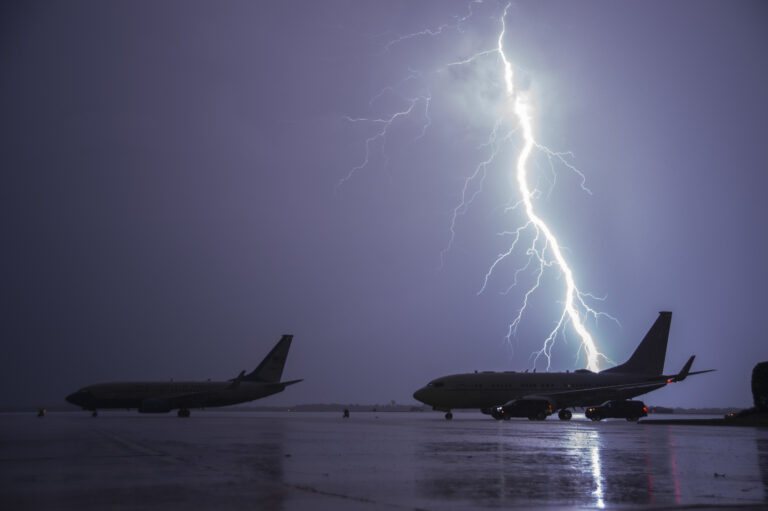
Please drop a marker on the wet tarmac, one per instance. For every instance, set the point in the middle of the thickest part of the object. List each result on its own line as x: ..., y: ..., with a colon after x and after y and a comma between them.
x: 258, y: 460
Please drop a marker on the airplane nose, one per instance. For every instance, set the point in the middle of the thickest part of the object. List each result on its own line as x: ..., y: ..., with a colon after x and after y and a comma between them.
x: 420, y: 395
x: 79, y: 398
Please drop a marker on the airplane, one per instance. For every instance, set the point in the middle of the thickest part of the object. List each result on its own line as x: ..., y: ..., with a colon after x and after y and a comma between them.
x: 162, y: 397
x: 487, y: 390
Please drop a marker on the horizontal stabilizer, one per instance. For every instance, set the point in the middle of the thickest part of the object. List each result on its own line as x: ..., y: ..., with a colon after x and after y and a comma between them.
x: 686, y: 372
x: 701, y: 372
x: 236, y: 381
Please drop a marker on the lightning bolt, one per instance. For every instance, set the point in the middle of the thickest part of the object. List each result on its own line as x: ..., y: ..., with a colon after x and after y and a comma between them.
x: 544, y: 240
x: 544, y: 250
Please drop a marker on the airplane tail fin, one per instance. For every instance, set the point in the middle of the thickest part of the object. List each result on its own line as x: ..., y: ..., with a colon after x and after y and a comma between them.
x: 649, y: 356
x: 271, y: 368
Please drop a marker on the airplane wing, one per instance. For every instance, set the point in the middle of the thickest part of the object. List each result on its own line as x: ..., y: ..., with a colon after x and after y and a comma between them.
x: 202, y: 399
x: 186, y: 400
x: 596, y: 395
x: 166, y: 402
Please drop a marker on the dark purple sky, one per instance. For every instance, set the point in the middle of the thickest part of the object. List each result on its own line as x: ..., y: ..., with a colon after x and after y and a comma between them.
x: 170, y: 203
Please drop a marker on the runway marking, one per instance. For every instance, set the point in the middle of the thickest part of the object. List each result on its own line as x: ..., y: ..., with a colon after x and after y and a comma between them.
x: 131, y: 445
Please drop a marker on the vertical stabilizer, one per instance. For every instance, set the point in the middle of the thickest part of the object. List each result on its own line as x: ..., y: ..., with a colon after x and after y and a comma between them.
x: 649, y: 356
x: 271, y: 368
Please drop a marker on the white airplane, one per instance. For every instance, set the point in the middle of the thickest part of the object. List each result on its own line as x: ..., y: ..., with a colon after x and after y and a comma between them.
x: 581, y: 388
x: 162, y: 397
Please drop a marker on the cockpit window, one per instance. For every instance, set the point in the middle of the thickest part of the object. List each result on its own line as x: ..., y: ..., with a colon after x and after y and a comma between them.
x: 436, y: 384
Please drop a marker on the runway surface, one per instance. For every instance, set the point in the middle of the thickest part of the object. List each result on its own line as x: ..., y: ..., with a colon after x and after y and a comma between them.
x: 261, y: 460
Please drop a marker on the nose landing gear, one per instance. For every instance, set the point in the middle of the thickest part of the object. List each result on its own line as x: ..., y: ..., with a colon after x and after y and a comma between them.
x: 448, y: 416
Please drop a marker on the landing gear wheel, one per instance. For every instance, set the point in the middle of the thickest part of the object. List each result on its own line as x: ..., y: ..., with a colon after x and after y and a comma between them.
x: 564, y: 415
x: 183, y: 413
x: 595, y: 418
x: 448, y: 416
x: 633, y: 419
x: 541, y: 416
x: 95, y: 413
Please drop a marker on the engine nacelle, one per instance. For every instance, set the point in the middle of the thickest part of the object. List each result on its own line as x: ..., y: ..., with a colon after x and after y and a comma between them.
x: 155, y: 406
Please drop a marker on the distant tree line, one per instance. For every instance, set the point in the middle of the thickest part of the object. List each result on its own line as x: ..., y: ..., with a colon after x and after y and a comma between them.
x: 760, y: 386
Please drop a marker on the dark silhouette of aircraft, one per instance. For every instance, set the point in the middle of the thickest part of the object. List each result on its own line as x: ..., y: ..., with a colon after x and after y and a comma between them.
x: 162, y: 397
x: 640, y: 374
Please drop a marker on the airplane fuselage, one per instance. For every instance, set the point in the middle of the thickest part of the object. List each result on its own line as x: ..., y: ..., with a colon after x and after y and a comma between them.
x: 163, y: 396
x: 488, y: 389
x: 641, y: 373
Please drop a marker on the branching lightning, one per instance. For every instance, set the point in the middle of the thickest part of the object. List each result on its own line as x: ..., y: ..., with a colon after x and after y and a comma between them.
x: 384, y: 125
x: 543, y: 250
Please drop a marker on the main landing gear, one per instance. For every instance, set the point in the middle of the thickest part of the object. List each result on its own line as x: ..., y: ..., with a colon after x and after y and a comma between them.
x: 183, y: 412
x: 448, y: 416
x: 564, y: 414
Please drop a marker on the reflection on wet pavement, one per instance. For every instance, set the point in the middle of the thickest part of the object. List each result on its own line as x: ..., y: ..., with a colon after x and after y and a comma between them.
x: 414, y: 460
x: 598, y: 465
